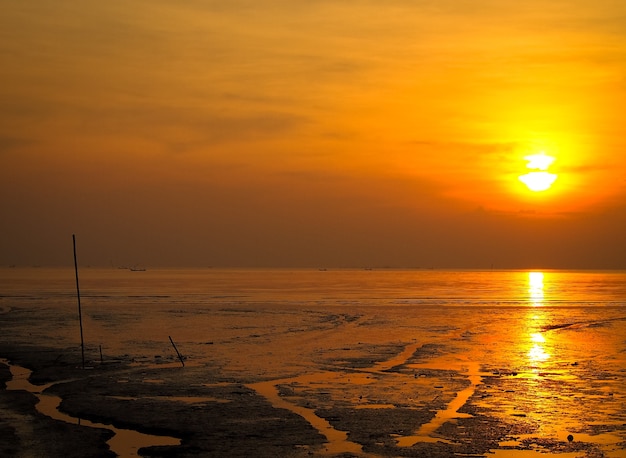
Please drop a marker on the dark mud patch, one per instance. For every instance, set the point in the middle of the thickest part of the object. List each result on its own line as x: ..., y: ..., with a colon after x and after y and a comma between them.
x: 428, y: 351
x: 241, y: 424
x: 339, y: 318
x: 222, y: 418
x: 377, y: 429
x: 360, y: 356
x: 480, y: 432
x: 48, y: 364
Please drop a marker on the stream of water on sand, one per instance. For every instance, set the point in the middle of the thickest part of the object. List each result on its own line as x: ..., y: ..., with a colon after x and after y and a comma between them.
x: 125, y: 442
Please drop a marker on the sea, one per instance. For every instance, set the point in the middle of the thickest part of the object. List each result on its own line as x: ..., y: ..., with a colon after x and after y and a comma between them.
x: 558, y: 336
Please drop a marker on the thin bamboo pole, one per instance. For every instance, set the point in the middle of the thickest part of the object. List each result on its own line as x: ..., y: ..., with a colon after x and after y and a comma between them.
x: 80, y: 313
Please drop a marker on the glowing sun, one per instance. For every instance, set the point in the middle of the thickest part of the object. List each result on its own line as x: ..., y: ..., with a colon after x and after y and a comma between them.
x: 539, y: 179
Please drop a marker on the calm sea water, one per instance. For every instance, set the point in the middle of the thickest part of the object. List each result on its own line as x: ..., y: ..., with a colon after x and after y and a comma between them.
x: 498, y: 313
x: 301, y: 288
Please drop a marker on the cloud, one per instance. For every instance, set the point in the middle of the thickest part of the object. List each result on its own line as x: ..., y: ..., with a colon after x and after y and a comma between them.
x: 10, y: 144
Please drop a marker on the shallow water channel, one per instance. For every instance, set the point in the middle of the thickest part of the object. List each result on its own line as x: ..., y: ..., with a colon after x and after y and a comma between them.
x: 125, y: 442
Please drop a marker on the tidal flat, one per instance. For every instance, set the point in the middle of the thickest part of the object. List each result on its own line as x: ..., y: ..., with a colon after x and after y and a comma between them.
x: 324, y: 378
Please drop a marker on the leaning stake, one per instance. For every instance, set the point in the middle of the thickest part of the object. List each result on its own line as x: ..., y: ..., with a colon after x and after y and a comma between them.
x: 80, y: 314
x: 177, y: 352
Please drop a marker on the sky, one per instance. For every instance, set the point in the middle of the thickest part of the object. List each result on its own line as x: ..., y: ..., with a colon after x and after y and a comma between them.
x: 312, y: 133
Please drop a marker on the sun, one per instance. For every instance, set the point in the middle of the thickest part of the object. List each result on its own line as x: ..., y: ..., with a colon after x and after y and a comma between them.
x: 539, y: 179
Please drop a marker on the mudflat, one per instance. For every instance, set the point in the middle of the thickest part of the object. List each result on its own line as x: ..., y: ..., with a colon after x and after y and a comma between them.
x: 364, y: 409
x: 299, y: 374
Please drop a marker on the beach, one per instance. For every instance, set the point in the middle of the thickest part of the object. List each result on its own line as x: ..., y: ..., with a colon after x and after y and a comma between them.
x: 313, y: 363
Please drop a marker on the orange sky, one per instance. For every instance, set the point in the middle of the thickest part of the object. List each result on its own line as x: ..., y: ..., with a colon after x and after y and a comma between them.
x: 299, y: 133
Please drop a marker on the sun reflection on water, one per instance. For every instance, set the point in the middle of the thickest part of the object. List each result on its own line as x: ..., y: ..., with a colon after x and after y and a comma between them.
x: 554, y: 376
x: 535, y: 288
x: 537, y: 352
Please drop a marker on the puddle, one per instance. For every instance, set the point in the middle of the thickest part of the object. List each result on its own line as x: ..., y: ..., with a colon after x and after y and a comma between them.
x: 125, y: 442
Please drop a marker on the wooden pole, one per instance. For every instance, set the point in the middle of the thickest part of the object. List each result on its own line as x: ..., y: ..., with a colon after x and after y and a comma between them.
x: 177, y: 352
x: 80, y: 313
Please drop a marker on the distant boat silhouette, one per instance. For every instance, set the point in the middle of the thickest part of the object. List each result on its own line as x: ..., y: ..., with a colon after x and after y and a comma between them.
x: 137, y: 269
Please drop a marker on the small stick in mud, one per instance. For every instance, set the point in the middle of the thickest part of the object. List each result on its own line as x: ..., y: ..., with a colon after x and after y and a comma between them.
x: 177, y: 352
